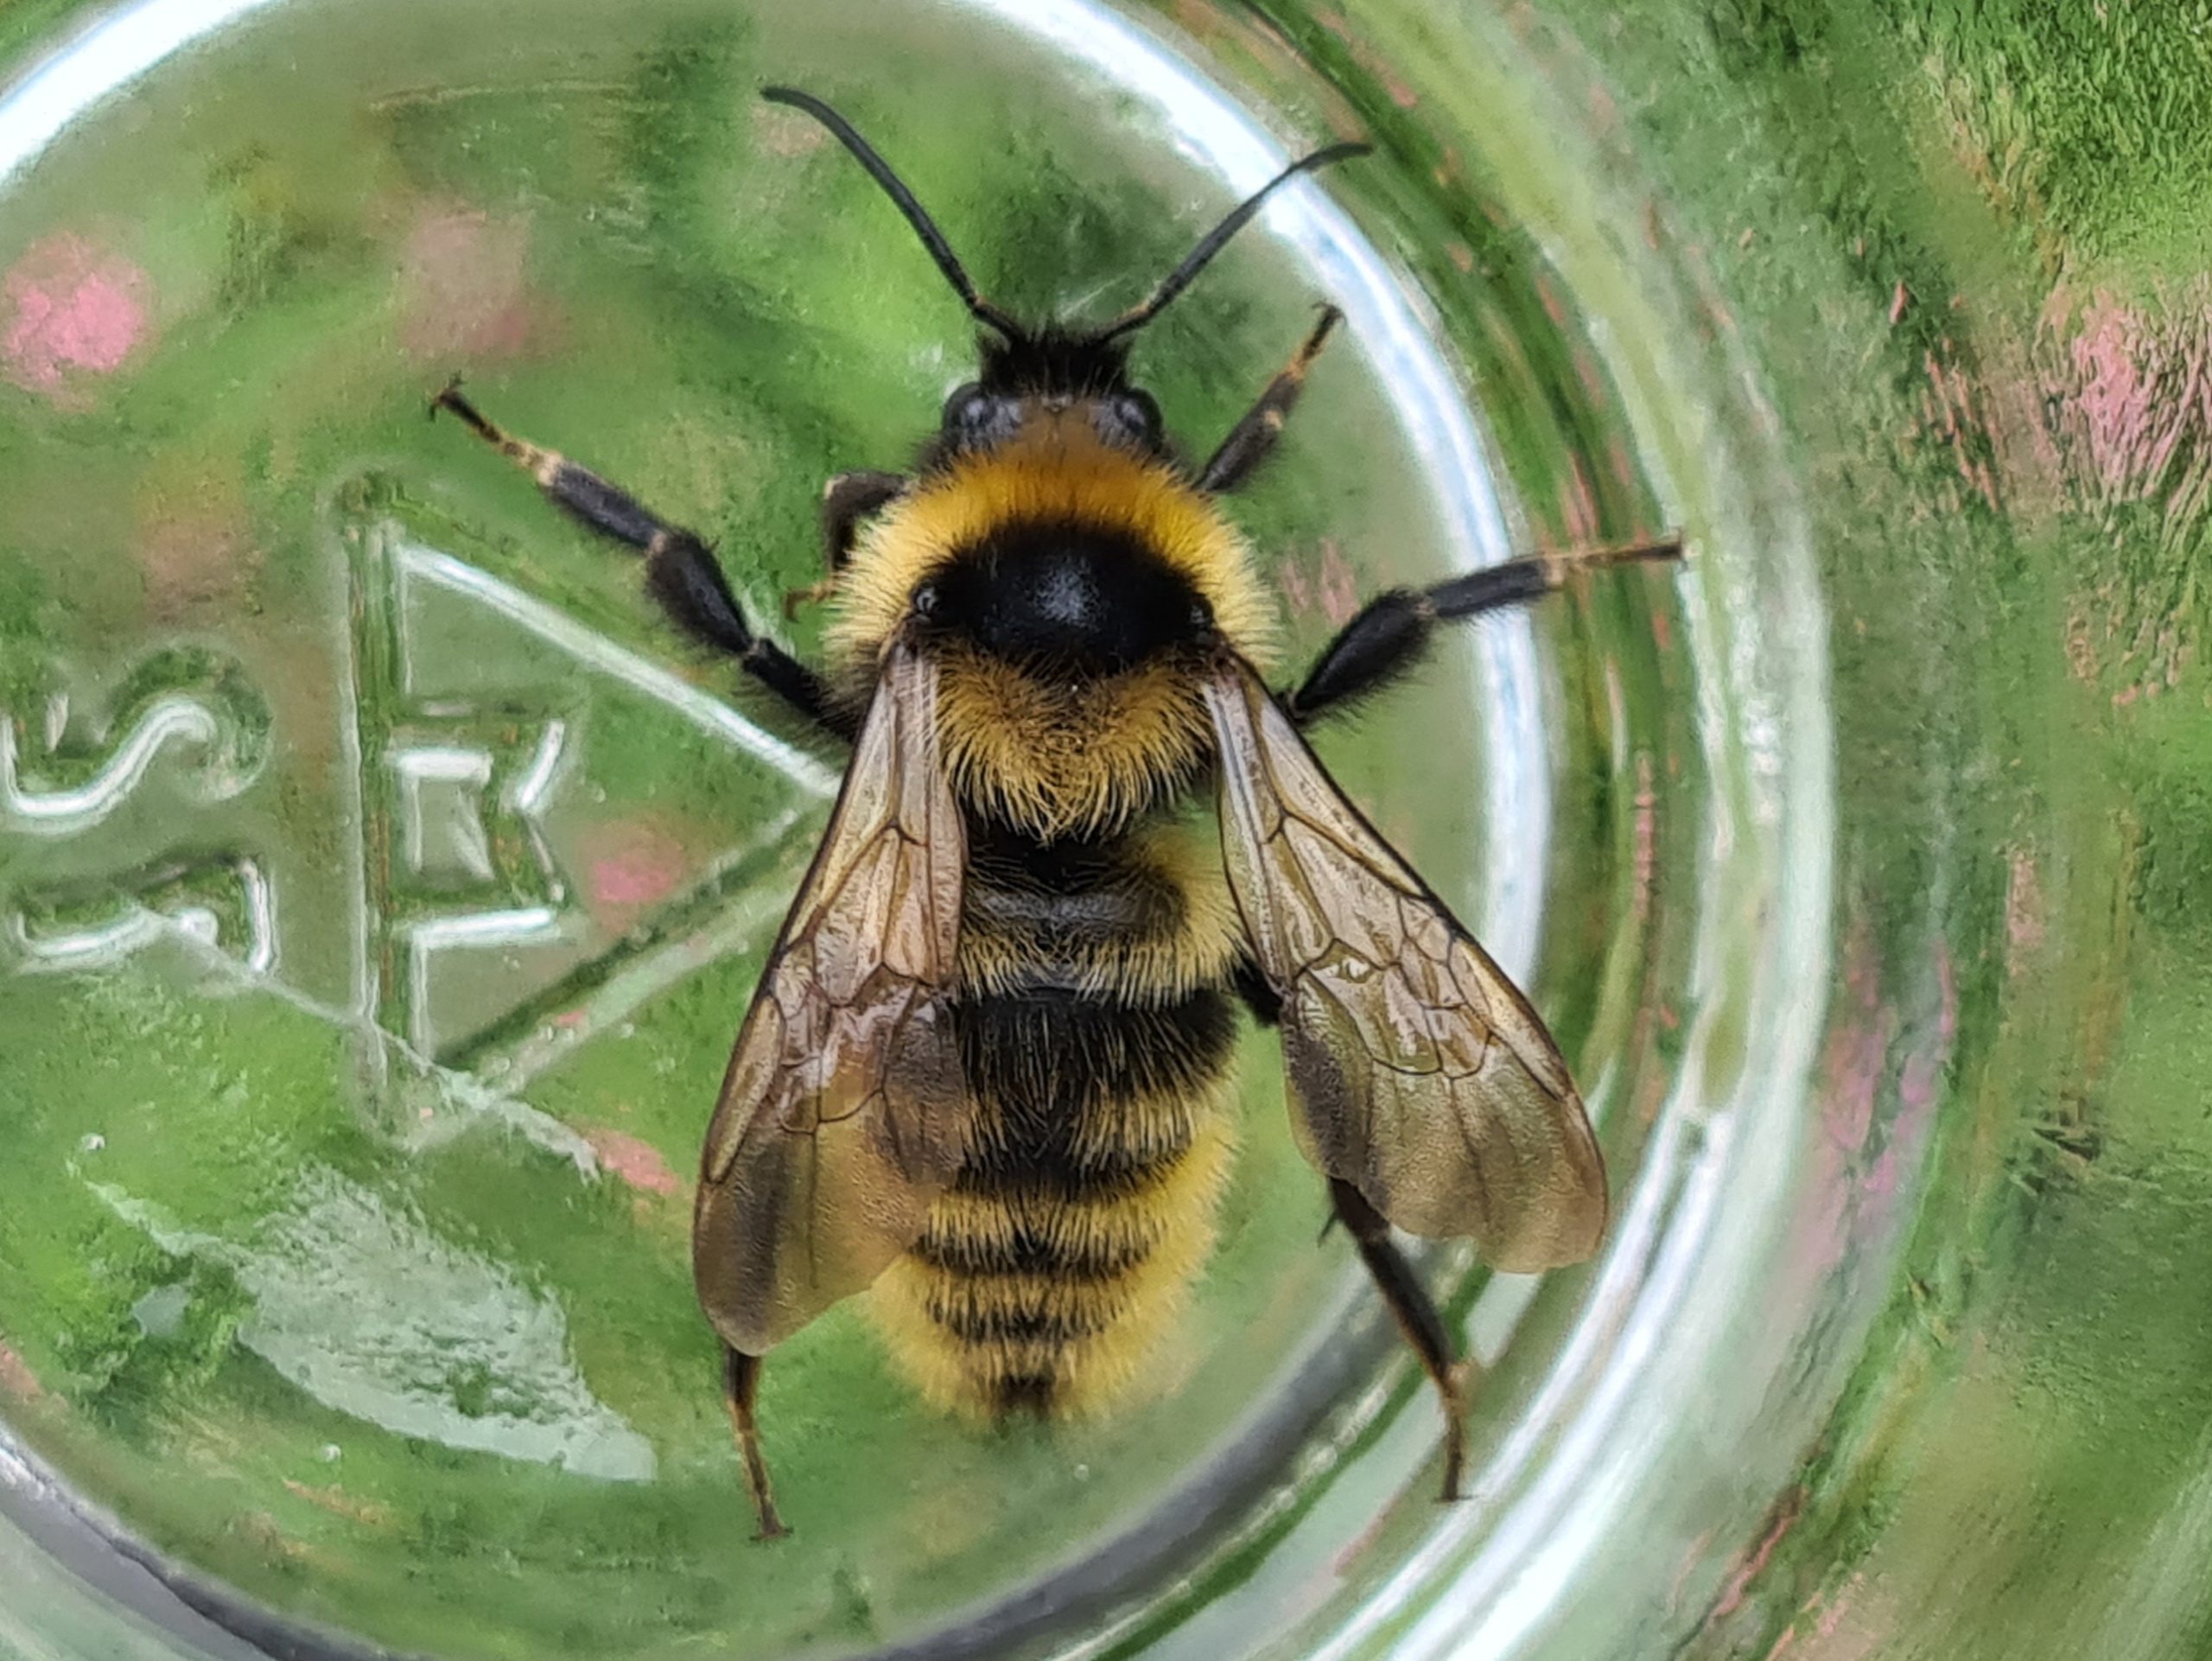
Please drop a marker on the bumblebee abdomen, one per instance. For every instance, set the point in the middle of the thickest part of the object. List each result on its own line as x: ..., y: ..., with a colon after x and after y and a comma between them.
x: 1098, y: 1070
x: 1054, y: 1264
x: 1030, y: 1298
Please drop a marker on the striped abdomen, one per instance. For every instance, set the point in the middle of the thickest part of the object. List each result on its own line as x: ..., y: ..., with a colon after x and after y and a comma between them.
x: 1097, y: 1030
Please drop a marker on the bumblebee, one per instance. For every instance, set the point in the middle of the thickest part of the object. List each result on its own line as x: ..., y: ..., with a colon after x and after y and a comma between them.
x: 986, y: 1075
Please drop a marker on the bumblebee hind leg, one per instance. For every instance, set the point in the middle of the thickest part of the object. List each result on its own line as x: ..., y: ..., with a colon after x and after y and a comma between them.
x: 741, y: 1385
x: 1417, y: 1319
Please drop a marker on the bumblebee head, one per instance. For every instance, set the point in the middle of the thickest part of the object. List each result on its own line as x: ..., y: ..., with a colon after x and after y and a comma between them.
x: 1028, y: 371
x: 1048, y: 374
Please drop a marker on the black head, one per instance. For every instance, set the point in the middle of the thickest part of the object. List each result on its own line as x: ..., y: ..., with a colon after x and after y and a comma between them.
x: 1021, y: 364
x: 1049, y: 369
x: 1065, y: 601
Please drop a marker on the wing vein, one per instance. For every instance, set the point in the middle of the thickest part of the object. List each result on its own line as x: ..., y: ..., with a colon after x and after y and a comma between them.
x: 842, y: 1114
x: 1417, y: 1071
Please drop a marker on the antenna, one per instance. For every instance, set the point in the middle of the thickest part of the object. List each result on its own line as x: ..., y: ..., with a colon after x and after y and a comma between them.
x: 1179, y: 279
x: 933, y: 238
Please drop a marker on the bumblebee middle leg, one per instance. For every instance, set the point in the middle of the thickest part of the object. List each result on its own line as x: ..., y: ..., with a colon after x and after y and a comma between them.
x: 1417, y: 1316
x: 741, y: 1386
x: 1393, y: 631
x: 1251, y: 439
x: 679, y: 570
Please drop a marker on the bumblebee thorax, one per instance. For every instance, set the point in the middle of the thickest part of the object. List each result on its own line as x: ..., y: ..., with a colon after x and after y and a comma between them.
x: 1071, y: 592
x: 1064, y: 599
x: 1053, y: 548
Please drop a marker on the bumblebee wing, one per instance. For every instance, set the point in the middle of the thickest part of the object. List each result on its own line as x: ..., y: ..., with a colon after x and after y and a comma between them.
x: 1418, y: 1073
x: 842, y: 1114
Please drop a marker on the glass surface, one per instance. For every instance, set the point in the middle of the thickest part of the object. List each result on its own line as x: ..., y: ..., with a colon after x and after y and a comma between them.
x: 381, y: 883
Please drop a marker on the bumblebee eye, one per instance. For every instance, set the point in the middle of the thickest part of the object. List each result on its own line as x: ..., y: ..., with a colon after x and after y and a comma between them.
x: 1135, y: 413
x: 960, y: 402
x: 1201, y: 618
x: 925, y: 600
x: 970, y: 410
x: 976, y: 418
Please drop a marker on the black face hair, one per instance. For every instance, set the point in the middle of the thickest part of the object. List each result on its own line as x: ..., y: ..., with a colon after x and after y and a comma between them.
x: 1053, y: 360
x: 1050, y: 358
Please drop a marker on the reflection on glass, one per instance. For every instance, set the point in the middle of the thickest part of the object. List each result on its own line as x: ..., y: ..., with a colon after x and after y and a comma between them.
x: 380, y: 887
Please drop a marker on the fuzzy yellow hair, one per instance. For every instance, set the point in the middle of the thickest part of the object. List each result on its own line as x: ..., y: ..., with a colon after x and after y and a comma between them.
x: 1054, y: 759
x: 1115, y: 1322
x: 1054, y: 469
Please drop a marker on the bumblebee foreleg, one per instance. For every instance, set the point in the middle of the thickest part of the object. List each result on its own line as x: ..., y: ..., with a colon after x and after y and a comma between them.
x: 1251, y: 439
x: 1417, y: 1316
x: 846, y: 500
x: 741, y: 1385
x: 1393, y: 631
x: 679, y: 570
